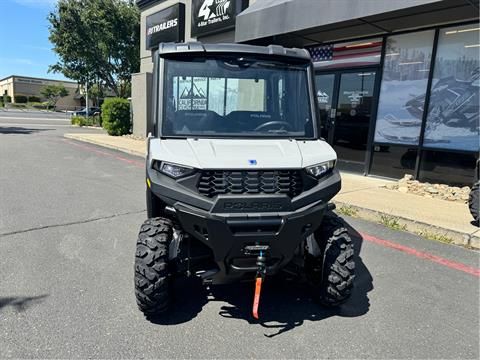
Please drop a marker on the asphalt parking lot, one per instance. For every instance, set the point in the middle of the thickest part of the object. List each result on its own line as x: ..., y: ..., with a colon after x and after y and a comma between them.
x: 69, y: 216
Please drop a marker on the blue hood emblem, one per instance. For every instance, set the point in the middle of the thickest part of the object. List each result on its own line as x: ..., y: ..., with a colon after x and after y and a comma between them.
x: 252, y: 162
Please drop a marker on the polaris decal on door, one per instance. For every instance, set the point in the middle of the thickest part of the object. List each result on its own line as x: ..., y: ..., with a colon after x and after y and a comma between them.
x: 212, y: 16
x: 355, y: 96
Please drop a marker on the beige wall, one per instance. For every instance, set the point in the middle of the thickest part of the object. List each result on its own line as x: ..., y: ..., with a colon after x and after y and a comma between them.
x: 27, y: 86
x: 141, y: 104
x: 6, y: 85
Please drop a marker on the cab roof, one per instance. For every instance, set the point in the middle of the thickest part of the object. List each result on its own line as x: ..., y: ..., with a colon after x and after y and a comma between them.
x: 192, y: 48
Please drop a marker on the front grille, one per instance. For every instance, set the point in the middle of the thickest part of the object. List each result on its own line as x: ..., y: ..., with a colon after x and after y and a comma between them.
x: 215, y: 182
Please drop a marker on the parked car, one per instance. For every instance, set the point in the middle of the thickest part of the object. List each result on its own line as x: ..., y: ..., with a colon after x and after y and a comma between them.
x: 91, y: 112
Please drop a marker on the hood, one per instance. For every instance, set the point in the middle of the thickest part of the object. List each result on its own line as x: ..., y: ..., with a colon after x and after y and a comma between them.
x: 241, y: 153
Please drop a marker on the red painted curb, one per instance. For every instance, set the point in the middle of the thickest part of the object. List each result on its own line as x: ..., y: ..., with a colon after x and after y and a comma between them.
x: 136, y: 163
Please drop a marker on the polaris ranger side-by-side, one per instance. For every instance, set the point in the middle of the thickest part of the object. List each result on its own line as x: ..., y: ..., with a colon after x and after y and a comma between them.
x: 238, y: 179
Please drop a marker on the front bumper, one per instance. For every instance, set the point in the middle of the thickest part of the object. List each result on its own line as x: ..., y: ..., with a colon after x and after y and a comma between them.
x: 230, y: 225
x: 231, y: 237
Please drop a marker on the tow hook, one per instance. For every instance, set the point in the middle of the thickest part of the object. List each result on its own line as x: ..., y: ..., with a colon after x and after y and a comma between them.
x: 259, y: 279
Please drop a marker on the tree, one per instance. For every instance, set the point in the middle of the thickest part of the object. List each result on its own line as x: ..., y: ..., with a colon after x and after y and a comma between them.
x: 97, y: 39
x: 53, y: 93
x: 95, y: 92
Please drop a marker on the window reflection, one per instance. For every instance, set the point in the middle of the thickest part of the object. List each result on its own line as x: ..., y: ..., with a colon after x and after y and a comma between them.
x: 393, y: 161
x: 453, y: 115
x: 404, y: 84
x: 448, y: 168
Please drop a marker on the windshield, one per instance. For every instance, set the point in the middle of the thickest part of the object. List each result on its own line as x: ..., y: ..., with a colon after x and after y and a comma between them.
x: 231, y: 96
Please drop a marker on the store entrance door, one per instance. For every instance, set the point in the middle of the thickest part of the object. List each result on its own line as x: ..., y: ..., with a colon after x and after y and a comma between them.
x: 346, y: 103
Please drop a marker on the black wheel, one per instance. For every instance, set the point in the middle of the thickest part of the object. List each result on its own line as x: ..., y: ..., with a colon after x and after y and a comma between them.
x: 334, y: 282
x: 473, y: 201
x: 151, y: 266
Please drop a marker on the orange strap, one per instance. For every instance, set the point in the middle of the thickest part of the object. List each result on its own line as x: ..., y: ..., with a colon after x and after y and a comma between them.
x: 256, y: 299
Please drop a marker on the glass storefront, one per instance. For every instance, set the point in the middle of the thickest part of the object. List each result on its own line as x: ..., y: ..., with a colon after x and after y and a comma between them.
x: 424, y: 117
x: 393, y: 160
x: 346, y: 100
x: 453, y: 112
x: 352, y: 121
x: 324, y: 85
x: 404, y: 84
x: 447, y: 167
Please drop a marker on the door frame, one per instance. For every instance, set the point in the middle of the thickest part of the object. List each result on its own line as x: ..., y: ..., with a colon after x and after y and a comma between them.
x: 373, y: 116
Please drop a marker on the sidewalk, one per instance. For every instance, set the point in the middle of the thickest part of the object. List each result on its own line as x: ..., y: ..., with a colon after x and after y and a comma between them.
x: 367, y: 198
x: 121, y: 143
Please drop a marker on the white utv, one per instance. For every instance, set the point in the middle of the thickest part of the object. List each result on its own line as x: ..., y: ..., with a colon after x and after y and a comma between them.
x: 238, y: 179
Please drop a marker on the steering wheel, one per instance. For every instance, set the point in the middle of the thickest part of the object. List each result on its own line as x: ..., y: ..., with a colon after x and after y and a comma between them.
x: 281, y: 124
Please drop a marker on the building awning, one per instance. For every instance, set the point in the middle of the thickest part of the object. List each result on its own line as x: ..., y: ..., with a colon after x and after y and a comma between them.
x: 331, y: 20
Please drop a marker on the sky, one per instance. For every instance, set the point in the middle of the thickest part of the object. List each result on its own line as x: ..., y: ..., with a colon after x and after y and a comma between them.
x: 24, y: 46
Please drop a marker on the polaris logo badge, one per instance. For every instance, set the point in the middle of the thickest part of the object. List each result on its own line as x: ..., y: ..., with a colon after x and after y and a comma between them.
x: 253, y: 206
x: 252, y: 162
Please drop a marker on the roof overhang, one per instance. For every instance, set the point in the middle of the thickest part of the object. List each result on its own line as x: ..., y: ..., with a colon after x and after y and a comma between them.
x: 303, y: 22
x: 147, y: 3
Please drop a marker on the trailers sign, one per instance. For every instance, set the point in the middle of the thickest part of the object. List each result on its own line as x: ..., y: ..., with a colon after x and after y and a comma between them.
x: 212, y: 16
x: 167, y: 25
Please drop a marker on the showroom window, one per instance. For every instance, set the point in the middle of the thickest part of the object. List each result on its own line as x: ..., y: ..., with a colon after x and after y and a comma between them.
x: 404, y: 85
x: 453, y: 113
x: 393, y: 161
x: 446, y: 167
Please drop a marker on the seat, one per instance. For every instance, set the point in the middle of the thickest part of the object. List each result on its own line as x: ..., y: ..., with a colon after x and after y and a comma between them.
x: 196, y: 121
x: 247, y: 120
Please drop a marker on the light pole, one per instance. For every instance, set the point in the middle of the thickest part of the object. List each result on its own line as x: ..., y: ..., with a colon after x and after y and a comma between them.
x: 86, y: 100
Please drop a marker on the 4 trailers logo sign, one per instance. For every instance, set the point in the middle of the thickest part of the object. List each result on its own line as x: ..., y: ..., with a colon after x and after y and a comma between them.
x: 165, y: 26
x: 210, y: 16
x: 213, y: 10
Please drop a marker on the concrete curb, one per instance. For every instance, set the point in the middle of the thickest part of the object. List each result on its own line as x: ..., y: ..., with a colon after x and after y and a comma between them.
x: 99, y: 143
x: 87, y: 127
x: 467, y: 240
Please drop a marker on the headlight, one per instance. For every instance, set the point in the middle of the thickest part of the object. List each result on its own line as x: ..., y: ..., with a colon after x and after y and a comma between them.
x: 320, y: 170
x: 173, y: 170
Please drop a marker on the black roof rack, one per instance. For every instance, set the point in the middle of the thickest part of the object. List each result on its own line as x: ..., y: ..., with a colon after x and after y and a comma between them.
x: 198, y: 47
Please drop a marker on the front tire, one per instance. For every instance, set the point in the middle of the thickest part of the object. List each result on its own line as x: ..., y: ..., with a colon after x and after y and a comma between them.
x: 474, y: 200
x: 152, y: 277
x: 335, y: 283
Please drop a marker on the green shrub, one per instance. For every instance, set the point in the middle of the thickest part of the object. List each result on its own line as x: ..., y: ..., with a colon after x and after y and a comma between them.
x: 38, y: 105
x: 18, y: 106
x: 75, y: 120
x: 34, y: 99
x: 79, y: 120
x: 116, y: 116
x: 9, y: 99
x: 83, y: 121
x: 21, y: 99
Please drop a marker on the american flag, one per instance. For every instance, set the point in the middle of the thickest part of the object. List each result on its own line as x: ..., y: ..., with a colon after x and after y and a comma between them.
x: 346, y: 54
